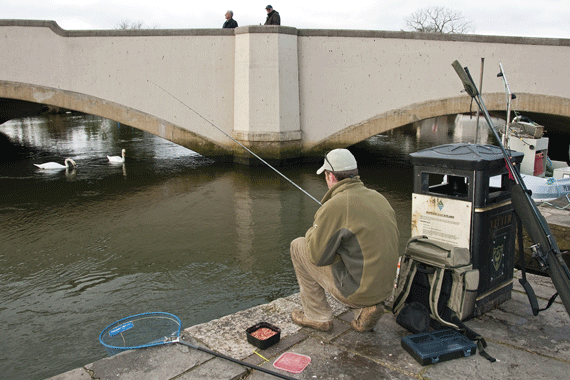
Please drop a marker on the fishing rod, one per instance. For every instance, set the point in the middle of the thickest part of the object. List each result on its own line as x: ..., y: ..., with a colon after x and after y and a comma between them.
x: 545, y: 249
x: 237, y: 142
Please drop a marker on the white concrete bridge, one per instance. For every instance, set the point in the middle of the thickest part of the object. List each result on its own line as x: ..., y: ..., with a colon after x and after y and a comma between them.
x: 284, y: 92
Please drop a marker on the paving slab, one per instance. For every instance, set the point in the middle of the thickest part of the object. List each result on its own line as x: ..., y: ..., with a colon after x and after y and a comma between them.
x: 74, y: 374
x: 556, y: 212
x: 215, y: 369
x: 382, y: 345
x: 260, y: 356
x: 160, y: 362
x: 511, y: 363
x: 227, y: 334
x: 331, y: 362
x: 525, y: 346
x: 513, y: 323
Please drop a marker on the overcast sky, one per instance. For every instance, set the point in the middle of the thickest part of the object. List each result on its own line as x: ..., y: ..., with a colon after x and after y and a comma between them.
x: 529, y: 18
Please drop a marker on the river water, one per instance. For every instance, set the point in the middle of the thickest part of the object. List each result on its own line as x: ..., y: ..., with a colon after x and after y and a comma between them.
x: 168, y: 230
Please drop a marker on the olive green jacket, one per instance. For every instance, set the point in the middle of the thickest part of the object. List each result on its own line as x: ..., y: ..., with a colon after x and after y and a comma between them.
x: 355, y: 231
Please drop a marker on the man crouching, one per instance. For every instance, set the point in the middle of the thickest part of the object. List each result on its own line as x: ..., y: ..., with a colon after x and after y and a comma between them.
x: 351, y: 251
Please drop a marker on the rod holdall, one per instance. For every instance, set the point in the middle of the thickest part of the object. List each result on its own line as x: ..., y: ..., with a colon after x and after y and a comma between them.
x: 441, y: 278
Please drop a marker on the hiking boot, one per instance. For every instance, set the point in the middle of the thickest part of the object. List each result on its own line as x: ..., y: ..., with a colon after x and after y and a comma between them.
x: 298, y: 316
x: 368, y: 318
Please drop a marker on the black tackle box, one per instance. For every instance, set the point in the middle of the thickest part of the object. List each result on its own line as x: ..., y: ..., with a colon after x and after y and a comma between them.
x: 438, y: 346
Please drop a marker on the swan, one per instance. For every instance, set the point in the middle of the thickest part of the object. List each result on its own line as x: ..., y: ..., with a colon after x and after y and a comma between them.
x: 69, y: 163
x: 117, y: 159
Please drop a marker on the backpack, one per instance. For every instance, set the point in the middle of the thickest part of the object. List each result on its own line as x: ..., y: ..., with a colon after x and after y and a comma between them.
x: 440, y: 277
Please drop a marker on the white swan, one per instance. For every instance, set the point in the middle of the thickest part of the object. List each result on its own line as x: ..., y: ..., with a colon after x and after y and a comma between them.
x: 117, y: 159
x: 69, y: 163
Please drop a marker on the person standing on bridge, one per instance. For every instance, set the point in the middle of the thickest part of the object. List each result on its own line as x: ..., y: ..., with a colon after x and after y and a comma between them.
x: 230, y: 22
x: 351, y: 251
x: 273, y: 17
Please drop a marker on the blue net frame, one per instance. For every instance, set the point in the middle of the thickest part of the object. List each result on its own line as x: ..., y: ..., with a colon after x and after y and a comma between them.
x: 139, y: 331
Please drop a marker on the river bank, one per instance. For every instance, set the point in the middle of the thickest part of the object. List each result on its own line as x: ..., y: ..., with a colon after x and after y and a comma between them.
x: 525, y: 346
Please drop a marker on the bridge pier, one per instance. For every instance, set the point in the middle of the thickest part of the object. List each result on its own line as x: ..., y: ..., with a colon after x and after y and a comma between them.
x: 266, y: 93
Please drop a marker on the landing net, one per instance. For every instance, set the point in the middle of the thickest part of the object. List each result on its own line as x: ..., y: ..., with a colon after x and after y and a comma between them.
x: 139, y: 331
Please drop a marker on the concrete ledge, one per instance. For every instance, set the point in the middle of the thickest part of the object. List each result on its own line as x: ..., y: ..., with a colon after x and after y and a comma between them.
x: 268, y: 136
x: 291, y: 30
x: 115, y: 32
x: 525, y: 347
x: 559, y: 222
x: 251, y: 29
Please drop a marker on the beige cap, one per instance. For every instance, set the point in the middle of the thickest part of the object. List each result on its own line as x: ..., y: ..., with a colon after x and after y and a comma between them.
x: 338, y: 160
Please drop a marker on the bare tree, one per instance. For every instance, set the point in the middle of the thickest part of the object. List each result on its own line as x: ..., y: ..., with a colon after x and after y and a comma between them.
x: 127, y: 24
x: 438, y: 20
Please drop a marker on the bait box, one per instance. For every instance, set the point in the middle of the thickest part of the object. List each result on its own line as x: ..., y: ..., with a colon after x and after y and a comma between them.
x: 266, y: 343
x: 438, y: 346
x: 292, y: 362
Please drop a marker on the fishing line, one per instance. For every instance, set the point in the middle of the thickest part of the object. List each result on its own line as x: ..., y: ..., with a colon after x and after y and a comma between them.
x: 237, y: 142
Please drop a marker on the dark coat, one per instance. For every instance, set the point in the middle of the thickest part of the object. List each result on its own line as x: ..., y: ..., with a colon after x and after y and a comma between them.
x: 231, y: 23
x: 273, y: 18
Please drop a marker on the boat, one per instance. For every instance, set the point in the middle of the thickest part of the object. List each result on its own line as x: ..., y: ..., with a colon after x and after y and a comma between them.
x: 545, y: 178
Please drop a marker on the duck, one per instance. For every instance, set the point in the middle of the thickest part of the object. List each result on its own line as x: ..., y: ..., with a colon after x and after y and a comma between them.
x: 69, y: 163
x: 117, y: 159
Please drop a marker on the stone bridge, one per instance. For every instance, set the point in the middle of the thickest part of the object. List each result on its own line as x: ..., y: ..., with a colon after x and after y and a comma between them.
x: 281, y: 91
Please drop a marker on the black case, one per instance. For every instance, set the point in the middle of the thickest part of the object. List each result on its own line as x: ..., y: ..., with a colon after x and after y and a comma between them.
x: 438, y: 346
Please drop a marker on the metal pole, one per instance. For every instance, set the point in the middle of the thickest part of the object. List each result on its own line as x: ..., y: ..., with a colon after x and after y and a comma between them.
x: 229, y: 358
x: 510, y: 97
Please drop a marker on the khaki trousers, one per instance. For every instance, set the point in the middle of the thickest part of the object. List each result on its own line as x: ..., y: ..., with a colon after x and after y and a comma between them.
x: 313, y: 282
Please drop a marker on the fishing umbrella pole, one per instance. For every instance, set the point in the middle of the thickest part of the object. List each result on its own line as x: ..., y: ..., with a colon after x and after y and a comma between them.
x: 545, y: 249
x: 237, y: 142
x: 510, y: 98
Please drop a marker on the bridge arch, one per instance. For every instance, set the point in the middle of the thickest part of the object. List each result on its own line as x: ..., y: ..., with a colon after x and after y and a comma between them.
x: 113, y: 111
x: 461, y: 104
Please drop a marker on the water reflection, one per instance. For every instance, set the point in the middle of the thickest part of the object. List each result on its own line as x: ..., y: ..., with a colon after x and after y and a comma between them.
x: 177, y: 233
x: 167, y: 230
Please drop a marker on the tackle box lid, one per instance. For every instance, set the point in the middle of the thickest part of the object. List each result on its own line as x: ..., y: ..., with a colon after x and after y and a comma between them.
x: 438, y: 346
